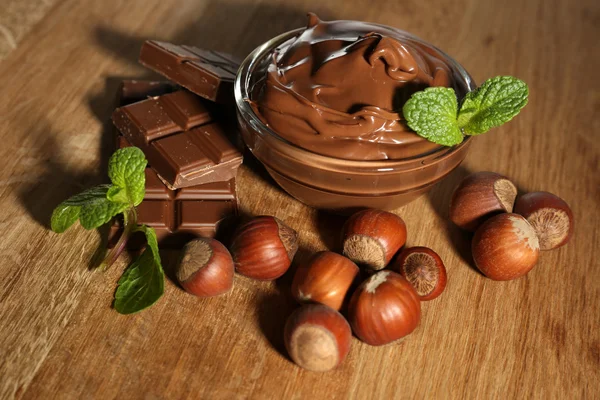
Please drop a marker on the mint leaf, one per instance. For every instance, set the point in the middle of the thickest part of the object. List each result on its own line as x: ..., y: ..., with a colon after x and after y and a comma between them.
x: 432, y: 114
x: 126, y: 171
x: 97, y: 213
x: 494, y: 103
x: 63, y: 217
x: 142, y: 284
x: 69, y: 210
x: 117, y: 194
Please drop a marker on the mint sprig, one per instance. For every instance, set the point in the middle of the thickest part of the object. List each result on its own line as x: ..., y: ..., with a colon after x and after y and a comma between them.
x: 142, y: 284
x: 93, y: 200
x: 434, y: 113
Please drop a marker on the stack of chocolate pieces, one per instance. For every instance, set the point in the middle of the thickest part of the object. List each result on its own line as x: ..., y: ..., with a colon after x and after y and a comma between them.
x: 185, y: 130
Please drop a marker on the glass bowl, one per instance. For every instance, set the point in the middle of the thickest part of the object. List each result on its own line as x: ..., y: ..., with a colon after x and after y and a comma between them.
x: 336, y: 184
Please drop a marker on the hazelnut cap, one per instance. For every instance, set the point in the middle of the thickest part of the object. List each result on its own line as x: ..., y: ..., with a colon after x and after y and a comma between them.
x: 550, y: 216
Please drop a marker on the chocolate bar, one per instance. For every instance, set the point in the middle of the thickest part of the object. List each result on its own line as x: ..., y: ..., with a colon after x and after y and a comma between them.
x: 177, y: 216
x: 209, y: 74
x: 181, y: 137
x: 132, y: 91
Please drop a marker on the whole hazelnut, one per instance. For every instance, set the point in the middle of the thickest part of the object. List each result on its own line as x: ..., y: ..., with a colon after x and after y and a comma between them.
x: 317, y: 337
x: 550, y: 216
x: 505, y: 247
x: 205, y: 268
x: 480, y: 196
x: 326, y: 279
x: 424, y: 269
x: 372, y: 237
x: 384, y: 308
x: 263, y: 248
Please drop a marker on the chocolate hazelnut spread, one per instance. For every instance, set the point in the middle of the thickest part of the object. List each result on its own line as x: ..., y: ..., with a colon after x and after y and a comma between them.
x: 331, y: 95
x: 338, y: 89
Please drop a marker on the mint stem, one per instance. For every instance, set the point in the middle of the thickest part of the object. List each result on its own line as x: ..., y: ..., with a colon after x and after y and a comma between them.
x: 129, y: 225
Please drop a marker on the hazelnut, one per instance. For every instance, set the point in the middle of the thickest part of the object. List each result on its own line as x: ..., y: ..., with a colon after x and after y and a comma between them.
x: 372, y: 237
x: 263, y: 248
x: 480, y: 196
x: 384, y: 308
x: 550, y: 216
x: 424, y: 269
x: 317, y: 337
x: 205, y: 268
x: 505, y: 247
x: 326, y: 279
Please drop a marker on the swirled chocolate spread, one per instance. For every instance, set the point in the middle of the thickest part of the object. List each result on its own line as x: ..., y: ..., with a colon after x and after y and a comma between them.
x: 338, y: 89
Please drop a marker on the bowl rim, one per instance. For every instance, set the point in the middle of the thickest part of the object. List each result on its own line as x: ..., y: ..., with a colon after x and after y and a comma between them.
x: 242, y: 98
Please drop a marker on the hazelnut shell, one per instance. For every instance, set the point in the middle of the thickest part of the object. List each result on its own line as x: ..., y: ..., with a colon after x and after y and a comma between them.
x: 424, y: 269
x: 550, y: 216
x: 371, y: 237
x: 263, y: 248
x: 480, y: 196
x: 505, y: 247
x: 205, y: 268
x: 384, y: 308
x: 325, y: 279
x: 317, y: 337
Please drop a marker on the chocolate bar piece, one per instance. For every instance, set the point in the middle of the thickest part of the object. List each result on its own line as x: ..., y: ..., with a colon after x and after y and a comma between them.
x: 181, y: 138
x: 178, y: 216
x: 209, y: 74
x: 132, y: 91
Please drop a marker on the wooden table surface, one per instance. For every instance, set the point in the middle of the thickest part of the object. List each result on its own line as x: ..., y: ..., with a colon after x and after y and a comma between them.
x: 59, y: 338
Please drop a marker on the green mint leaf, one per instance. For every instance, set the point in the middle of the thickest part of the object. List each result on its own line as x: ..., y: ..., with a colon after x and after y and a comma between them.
x: 142, y: 284
x: 98, y: 213
x: 69, y: 210
x: 63, y: 217
x: 432, y: 114
x: 494, y: 103
x: 126, y: 170
x: 117, y: 194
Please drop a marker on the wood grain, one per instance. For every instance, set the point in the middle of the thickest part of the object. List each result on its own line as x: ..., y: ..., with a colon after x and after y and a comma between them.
x: 536, y: 337
x: 17, y: 18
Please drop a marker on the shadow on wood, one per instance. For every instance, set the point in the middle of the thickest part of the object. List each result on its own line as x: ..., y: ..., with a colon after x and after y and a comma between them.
x: 273, y: 310
x: 223, y: 26
x: 330, y: 226
x: 439, y: 197
x: 57, y: 181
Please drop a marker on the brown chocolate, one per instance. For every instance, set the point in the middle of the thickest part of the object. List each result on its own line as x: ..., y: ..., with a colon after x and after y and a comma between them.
x: 132, y: 91
x: 303, y: 115
x: 338, y: 88
x: 178, y: 216
x: 181, y: 137
x: 209, y: 74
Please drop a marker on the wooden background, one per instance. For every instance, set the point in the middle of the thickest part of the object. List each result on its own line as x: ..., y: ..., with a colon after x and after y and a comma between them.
x: 534, y: 337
